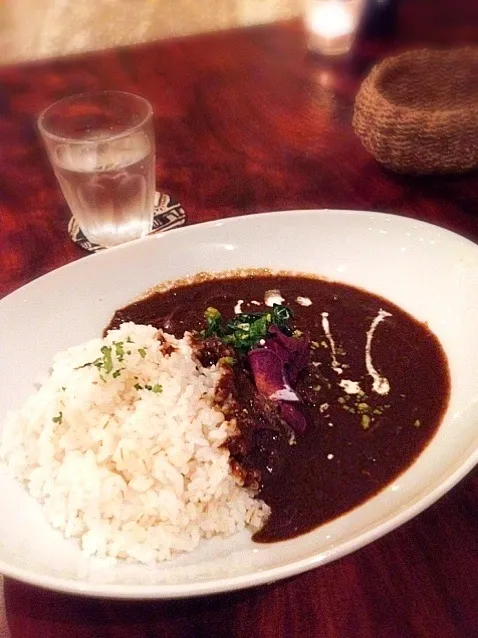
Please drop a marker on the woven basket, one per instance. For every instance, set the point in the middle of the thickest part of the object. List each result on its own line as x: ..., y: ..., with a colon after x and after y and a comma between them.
x: 418, y: 112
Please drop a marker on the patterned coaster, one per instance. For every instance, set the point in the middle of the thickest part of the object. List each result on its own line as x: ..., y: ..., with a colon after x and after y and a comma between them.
x: 168, y: 213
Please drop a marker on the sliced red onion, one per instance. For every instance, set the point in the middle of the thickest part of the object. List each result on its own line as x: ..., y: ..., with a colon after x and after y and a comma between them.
x: 293, y: 352
x: 275, y: 366
x: 269, y: 375
x: 293, y: 417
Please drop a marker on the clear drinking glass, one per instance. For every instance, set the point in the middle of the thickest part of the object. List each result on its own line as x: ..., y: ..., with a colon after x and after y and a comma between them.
x: 332, y: 24
x: 101, y: 146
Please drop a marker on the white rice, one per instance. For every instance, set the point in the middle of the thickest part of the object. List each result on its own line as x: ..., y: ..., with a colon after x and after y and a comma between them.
x: 130, y: 472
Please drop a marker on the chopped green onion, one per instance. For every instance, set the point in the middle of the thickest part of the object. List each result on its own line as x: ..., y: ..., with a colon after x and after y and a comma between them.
x: 246, y: 330
x: 213, y: 320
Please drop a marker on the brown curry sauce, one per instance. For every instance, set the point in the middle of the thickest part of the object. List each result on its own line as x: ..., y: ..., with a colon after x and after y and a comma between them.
x: 353, y: 445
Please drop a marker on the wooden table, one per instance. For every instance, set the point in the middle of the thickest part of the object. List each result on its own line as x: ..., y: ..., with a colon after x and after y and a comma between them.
x: 247, y: 122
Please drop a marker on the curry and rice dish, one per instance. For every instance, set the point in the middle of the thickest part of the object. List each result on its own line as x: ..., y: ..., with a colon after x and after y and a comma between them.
x: 268, y: 402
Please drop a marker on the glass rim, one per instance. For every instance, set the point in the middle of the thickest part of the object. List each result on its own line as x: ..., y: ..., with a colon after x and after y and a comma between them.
x: 114, y: 136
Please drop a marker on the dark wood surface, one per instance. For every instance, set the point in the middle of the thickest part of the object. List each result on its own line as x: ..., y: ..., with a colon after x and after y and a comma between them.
x: 246, y: 121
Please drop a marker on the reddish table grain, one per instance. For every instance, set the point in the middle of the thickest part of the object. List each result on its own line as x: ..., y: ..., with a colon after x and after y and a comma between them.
x: 246, y: 121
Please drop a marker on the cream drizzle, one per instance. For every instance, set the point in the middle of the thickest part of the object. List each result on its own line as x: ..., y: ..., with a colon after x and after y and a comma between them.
x: 350, y: 387
x: 238, y: 306
x: 304, y: 301
x: 326, y: 328
x: 380, y: 383
x: 284, y: 394
x: 272, y: 297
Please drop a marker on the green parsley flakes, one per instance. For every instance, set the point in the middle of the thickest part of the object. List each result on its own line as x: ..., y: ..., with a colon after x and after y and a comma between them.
x: 157, y: 388
x: 365, y: 421
x: 107, y: 359
x: 119, y: 350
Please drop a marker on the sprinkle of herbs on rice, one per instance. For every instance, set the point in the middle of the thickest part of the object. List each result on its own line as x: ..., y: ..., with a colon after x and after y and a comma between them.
x: 123, y: 447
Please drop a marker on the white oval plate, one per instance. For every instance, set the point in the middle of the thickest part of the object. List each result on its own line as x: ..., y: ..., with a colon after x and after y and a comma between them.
x: 428, y: 271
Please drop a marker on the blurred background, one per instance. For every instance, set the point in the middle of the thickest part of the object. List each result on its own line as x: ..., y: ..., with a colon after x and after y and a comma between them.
x: 36, y: 29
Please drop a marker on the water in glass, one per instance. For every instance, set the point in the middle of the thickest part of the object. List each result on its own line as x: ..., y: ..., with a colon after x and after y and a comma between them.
x: 109, y: 186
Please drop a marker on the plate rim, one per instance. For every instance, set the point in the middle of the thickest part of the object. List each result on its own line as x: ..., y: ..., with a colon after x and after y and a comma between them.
x: 188, y: 228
